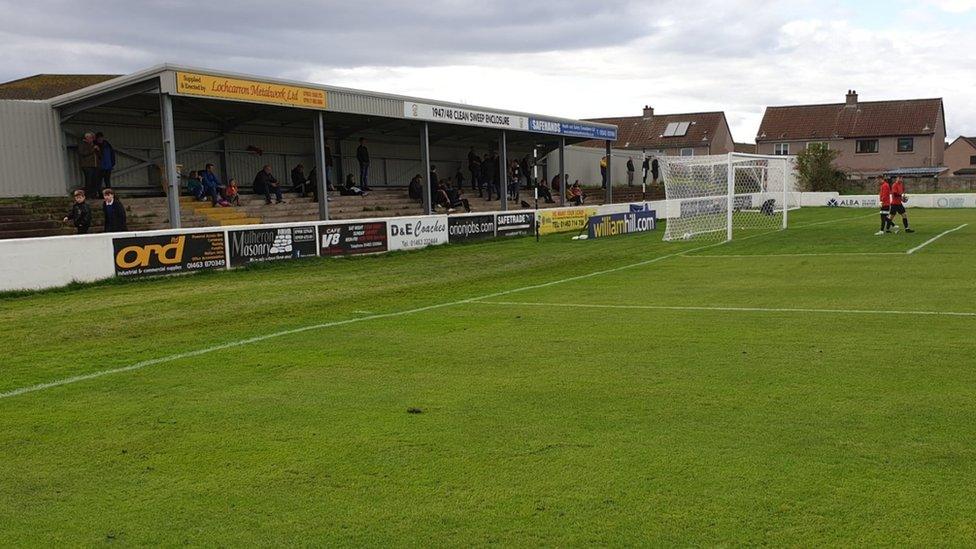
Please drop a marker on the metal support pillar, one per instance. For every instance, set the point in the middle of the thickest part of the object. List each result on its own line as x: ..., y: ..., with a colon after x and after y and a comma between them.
x: 425, y: 161
x: 608, y: 199
x: 169, y: 159
x: 562, y: 171
x: 318, y: 127
x: 503, y: 174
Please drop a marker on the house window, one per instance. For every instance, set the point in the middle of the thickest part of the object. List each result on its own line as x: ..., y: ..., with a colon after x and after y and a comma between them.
x: 688, y: 152
x: 818, y: 145
x: 906, y: 144
x: 867, y: 146
x: 782, y: 149
x: 972, y: 160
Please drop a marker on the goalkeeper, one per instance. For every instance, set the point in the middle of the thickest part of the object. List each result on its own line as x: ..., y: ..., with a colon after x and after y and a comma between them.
x: 898, y: 205
x: 884, y: 197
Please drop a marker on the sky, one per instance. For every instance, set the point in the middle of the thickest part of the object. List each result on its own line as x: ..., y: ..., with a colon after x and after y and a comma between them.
x: 572, y: 58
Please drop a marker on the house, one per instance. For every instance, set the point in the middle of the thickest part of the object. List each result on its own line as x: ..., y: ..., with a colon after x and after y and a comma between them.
x: 745, y: 148
x: 872, y: 137
x: 960, y: 156
x: 689, y: 134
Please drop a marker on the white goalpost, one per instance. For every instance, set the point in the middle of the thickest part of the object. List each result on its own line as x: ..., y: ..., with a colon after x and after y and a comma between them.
x: 721, y: 196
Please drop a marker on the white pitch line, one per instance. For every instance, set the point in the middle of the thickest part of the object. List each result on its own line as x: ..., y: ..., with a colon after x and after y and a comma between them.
x: 934, y: 238
x: 256, y: 339
x: 727, y: 309
x: 712, y: 256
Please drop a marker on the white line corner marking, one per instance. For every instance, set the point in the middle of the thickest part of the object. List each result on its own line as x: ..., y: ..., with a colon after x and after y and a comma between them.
x: 934, y: 238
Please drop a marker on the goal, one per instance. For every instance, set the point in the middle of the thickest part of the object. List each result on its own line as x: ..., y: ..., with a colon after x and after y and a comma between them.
x: 723, y: 196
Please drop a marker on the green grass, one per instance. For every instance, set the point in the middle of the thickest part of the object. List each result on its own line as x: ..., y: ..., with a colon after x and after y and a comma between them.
x: 540, y: 424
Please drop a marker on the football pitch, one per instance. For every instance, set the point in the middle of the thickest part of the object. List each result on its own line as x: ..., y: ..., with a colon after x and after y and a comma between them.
x: 814, y: 386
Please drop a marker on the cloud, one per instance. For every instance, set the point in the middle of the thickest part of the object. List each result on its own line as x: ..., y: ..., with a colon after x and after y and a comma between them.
x: 573, y: 58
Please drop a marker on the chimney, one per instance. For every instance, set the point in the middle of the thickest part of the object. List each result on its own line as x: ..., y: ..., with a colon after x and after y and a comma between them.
x: 648, y: 111
x: 851, y: 98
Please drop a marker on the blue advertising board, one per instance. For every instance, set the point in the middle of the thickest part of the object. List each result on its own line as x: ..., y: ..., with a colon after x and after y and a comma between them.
x: 572, y: 129
x: 599, y: 226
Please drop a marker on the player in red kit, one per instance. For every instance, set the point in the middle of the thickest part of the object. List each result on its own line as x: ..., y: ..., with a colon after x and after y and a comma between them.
x: 884, y: 197
x: 898, y: 204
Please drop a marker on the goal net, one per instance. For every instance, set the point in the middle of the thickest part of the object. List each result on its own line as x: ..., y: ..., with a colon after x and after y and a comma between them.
x: 723, y: 196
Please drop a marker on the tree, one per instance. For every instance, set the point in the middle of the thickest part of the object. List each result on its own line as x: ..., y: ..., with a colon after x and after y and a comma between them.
x: 815, y: 166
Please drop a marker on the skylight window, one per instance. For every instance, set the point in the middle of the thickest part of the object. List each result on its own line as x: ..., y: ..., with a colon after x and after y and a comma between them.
x: 676, y: 129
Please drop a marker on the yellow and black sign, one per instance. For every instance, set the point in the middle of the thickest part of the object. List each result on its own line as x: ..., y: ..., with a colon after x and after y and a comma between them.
x: 188, y: 83
x: 167, y: 254
x: 564, y: 219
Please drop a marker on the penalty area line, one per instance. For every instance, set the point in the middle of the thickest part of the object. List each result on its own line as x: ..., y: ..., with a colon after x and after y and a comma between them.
x: 934, y: 238
x: 726, y: 309
x: 257, y: 339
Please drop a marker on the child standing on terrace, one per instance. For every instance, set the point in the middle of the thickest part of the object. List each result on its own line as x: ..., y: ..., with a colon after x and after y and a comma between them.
x: 80, y: 214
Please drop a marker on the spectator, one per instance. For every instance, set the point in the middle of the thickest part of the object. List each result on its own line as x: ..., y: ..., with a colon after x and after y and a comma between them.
x: 350, y: 188
x: 630, y: 172
x: 456, y: 198
x: 545, y: 193
x: 298, y: 179
x: 603, y: 171
x: 495, y: 174
x: 555, y: 183
x: 211, y: 184
x: 514, y: 178
x: 114, y: 213
x: 459, y: 178
x: 362, y: 155
x: 441, y: 198
x: 484, y: 178
x: 526, y: 170
x: 654, y: 170
x: 329, y: 163
x: 434, y: 179
x: 645, y: 168
x: 194, y: 185
x: 80, y: 214
x: 576, y: 196
x: 265, y: 183
x: 88, y: 162
x: 232, y: 193
x: 474, y: 166
x: 415, y: 189
x: 106, y: 161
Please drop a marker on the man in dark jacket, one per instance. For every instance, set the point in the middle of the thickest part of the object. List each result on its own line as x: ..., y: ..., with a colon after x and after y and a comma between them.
x: 655, y: 170
x: 80, y: 214
x: 265, y: 183
x: 630, y: 172
x: 106, y: 161
x: 646, y: 167
x: 298, y: 179
x: 88, y: 162
x: 114, y: 213
x: 474, y: 166
x: 362, y: 155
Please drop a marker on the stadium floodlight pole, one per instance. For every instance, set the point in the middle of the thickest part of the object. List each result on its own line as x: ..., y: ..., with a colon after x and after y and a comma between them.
x: 425, y: 160
x: 503, y: 174
x: 786, y: 180
x: 608, y: 198
x: 730, y: 177
x: 169, y: 159
x: 562, y: 171
x: 320, y: 166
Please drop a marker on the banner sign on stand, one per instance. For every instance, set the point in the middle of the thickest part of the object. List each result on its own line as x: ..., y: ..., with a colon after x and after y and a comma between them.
x: 564, y: 219
x: 411, y: 233
x: 352, y: 238
x: 168, y: 254
x: 515, y: 224
x: 256, y: 245
x: 600, y: 226
x: 462, y: 228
